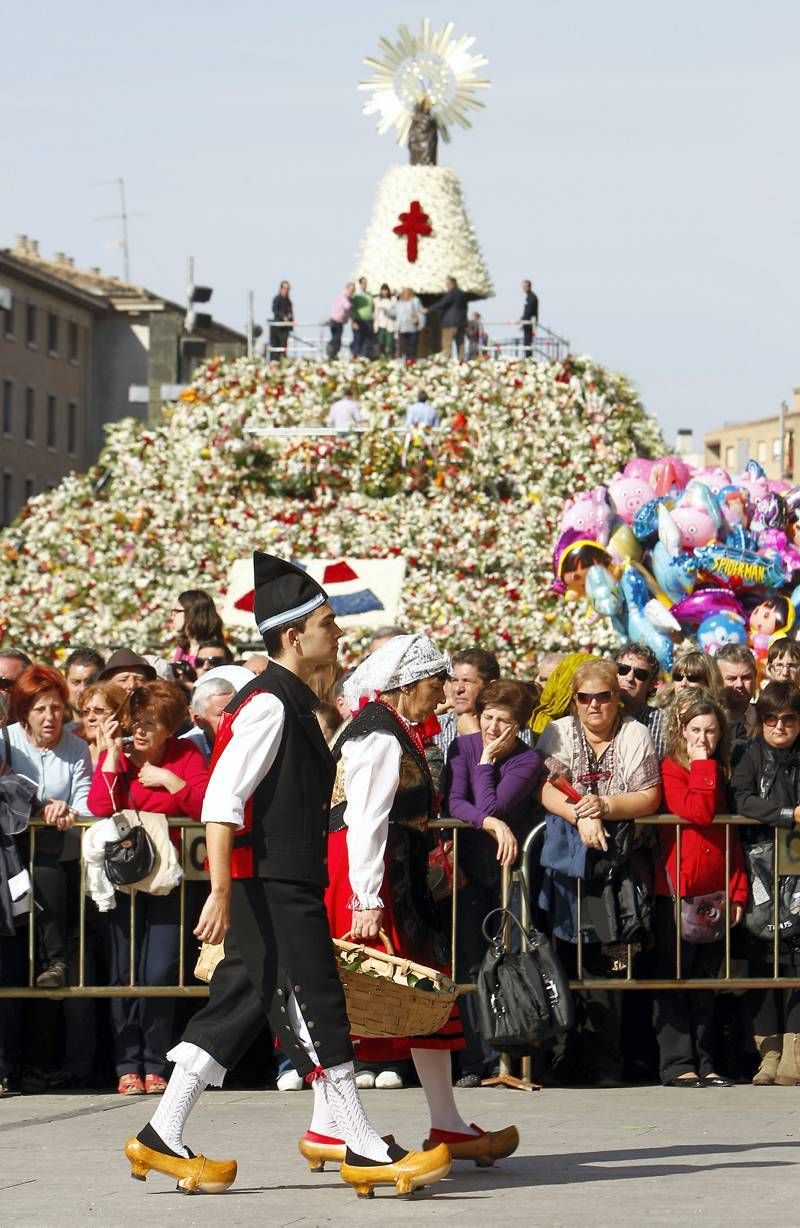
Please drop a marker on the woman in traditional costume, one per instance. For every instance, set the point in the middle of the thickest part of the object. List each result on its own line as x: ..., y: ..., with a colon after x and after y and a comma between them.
x: 383, y: 801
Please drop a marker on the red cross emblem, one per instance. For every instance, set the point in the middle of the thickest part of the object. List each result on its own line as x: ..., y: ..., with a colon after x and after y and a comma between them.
x: 413, y: 224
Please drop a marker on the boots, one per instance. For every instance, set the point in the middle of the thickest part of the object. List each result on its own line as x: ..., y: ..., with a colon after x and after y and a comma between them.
x: 789, y: 1066
x: 769, y: 1052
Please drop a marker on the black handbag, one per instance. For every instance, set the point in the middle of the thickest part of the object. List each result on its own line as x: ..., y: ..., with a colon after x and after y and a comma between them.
x: 523, y: 998
x: 759, y: 917
x: 130, y: 859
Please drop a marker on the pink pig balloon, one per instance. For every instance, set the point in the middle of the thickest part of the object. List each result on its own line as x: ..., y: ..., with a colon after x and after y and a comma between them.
x: 715, y: 478
x: 590, y: 514
x: 628, y: 495
x: 639, y: 467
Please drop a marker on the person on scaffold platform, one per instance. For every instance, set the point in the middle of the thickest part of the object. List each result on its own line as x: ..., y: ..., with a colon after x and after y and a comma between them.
x: 383, y: 801
x: 267, y: 813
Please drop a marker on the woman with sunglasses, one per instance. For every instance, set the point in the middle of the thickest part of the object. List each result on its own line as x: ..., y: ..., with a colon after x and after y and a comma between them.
x: 698, y: 669
x: 695, y: 774
x: 102, y: 702
x: 610, y: 760
x: 766, y: 784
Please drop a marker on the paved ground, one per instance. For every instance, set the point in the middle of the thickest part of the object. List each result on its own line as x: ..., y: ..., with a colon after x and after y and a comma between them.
x: 587, y: 1157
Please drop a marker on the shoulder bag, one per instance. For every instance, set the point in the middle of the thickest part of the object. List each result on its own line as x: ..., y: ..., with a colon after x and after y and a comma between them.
x: 523, y: 998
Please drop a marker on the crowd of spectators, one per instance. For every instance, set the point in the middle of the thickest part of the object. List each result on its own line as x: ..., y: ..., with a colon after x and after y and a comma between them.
x: 567, y: 759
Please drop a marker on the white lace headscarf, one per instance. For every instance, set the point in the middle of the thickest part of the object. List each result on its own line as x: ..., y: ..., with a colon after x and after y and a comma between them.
x: 401, y: 661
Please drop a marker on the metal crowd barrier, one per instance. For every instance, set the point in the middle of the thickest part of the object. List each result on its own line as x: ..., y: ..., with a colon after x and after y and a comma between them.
x: 786, y: 860
x: 310, y: 341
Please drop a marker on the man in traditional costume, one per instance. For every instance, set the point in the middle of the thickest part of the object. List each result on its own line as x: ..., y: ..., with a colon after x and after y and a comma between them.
x: 267, y: 813
x: 383, y: 801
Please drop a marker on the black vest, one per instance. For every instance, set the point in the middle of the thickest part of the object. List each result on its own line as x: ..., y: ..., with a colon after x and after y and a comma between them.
x: 290, y: 808
x: 414, y: 802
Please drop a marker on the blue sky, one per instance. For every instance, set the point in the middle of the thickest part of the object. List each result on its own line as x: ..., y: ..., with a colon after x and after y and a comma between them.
x: 637, y: 160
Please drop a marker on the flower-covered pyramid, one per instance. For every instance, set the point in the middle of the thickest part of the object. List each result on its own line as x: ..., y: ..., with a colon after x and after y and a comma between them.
x: 99, y: 559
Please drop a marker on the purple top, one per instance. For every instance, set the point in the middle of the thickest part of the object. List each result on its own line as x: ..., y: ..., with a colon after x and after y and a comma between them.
x: 504, y: 789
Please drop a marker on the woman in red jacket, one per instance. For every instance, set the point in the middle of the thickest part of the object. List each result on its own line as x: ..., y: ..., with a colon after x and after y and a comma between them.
x: 164, y: 775
x: 695, y: 775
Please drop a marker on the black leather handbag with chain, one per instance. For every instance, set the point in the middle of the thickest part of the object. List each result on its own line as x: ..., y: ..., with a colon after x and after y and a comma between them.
x: 524, y: 997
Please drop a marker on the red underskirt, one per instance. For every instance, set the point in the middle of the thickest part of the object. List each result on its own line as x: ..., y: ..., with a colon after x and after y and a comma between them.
x: 340, y: 917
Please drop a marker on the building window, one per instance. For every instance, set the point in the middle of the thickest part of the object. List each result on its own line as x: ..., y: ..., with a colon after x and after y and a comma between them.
x: 52, y: 332
x: 7, y: 499
x: 8, y: 407
x: 72, y: 428
x: 28, y: 489
x: 50, y: 434
x: 776, y: 449
x: 8, y: 320
x: 30, y: 324
x: 72, y: 341
x: 762, y: 451
x: 730, y: 458
x: 30, y: 415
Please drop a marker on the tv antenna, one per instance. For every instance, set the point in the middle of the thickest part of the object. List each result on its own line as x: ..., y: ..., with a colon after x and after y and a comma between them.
x: 122, y: 217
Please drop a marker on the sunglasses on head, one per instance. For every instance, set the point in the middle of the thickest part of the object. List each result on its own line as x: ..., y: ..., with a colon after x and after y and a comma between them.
x: 639, y: 672
x: 586, y: 697
x: 783, y: 718
x: 209, y: 661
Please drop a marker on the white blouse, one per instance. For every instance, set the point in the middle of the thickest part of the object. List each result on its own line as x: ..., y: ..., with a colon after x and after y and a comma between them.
x: 245, y: 761
x: 371, y: 780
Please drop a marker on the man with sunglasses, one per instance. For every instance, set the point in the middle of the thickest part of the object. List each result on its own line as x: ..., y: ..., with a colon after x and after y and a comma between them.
x: 637, y: 669
x: 12, y: 662
x: 211, y: 654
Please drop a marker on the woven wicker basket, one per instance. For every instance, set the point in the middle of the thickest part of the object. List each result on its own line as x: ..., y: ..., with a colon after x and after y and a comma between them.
x: 380, y: 1002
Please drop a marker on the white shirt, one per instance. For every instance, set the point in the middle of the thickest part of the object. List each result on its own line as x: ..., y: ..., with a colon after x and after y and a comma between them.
x: 344, y: 413
x: 245, y: 761
x: 371, y: 780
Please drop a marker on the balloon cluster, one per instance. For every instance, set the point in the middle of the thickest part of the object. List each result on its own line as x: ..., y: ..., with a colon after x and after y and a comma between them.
x: 665, y: 551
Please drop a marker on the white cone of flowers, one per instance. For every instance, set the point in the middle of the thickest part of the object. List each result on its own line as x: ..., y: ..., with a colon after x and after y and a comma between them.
x: 422, y: 199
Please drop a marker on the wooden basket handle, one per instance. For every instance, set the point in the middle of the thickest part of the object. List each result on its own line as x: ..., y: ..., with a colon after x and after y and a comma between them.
x: 384, y: 937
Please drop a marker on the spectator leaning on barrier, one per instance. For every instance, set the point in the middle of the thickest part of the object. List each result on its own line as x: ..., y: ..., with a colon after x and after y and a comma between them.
x: 472, y: 669
x: 737, y: 667
x: 163, y: 775
x: 783, y: 662
x: 637, y: 670
x: 695, y: 775
x: 766, y: 784
x: 492, y: 779
x: 611, y: 761
x: 57, y: 761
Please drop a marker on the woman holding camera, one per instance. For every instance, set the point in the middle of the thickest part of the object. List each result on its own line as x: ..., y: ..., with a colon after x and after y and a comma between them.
x: 162, y: 774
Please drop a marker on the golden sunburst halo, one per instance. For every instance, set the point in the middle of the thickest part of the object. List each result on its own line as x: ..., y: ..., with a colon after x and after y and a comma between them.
x: 432, y: 65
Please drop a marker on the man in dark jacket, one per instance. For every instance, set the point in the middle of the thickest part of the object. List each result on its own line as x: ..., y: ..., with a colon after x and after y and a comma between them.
x: 529, y: 318
x: 281, y: 323
x: 453, y: 306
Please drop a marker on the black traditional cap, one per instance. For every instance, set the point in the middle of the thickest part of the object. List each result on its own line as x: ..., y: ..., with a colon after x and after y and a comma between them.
x: 283, y: 592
